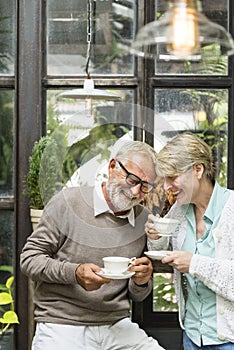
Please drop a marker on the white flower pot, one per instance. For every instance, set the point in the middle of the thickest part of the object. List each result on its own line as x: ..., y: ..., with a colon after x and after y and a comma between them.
x: 35, y: 217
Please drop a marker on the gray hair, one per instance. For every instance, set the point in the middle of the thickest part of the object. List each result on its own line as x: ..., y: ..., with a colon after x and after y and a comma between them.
x: 130, y: 147
x: 181, y: 153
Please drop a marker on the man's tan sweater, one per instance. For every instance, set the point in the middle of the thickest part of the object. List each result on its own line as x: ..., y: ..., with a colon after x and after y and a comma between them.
x: 69, y: 234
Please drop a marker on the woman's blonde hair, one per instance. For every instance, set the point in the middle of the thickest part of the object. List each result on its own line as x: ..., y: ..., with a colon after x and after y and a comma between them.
x: 181, y: 153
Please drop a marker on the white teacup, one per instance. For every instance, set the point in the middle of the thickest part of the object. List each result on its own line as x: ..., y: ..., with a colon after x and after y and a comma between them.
x: 116, y: 264
x: 165, y: 226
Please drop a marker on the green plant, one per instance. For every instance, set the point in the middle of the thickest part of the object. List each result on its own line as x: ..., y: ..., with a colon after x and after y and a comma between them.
x: 32, y: 189
x: 8, y: 314
x: 50, y: 166
x: 164, y: 293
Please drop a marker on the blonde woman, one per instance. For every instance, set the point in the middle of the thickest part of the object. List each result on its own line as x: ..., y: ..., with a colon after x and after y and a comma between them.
x: 203, y: 245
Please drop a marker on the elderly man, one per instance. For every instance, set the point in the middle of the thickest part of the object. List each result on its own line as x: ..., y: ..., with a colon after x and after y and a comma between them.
x: 76, y: 307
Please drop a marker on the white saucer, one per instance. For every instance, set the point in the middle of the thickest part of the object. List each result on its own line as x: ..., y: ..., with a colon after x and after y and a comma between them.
x: 115, y: 276
x: 156, y: 254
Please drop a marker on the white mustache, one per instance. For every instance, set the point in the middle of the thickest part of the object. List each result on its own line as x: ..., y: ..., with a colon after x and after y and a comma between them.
x: 129, y: 194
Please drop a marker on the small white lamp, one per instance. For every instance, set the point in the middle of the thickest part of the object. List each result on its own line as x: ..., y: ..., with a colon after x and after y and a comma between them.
x: 88, y: 91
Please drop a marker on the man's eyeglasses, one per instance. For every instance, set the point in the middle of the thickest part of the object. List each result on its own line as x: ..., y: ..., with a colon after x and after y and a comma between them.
x: 133, y: 180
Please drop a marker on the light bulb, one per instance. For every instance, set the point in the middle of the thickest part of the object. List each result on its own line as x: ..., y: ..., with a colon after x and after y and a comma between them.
x: 200, y: 116
x: 183, y: 32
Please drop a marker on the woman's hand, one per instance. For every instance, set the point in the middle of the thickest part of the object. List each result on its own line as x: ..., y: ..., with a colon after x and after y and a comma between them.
x: 178, y: 259
x: 150, y: 230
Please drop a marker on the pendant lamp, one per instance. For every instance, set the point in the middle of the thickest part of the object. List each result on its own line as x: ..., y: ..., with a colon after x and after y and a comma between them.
x: 182, y: 33
x: 88, y: 91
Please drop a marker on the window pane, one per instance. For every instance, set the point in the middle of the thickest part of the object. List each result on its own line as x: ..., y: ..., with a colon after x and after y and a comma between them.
x: 164, y: 298
x: 108, y: 23
x: 7, y: 21
x: 90, y: 128
x: 6, y: 143
x: 215, y: 11
x: 6, y: 237
x: 202, y: 111
x: 6, y: 265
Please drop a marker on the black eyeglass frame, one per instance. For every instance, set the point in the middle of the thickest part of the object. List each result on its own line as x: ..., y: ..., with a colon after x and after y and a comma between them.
x: 136, y: 180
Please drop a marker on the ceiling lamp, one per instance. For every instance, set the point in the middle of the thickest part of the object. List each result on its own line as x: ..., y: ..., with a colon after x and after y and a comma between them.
x: 182, y: 33
x: 88, y: 91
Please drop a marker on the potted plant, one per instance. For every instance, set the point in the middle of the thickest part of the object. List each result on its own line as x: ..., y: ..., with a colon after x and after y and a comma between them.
x: 8, y: 316
x: 32, y: 189
x: 50, y: 166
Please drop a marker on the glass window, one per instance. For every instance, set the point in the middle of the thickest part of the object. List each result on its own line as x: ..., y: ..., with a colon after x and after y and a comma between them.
x: 6, y: 237
x: 6, y: 270
x: 164, y: 299
x: 202, y: 111
x: 6, y: 143
x: 89, y: 130
x: 214, y: 10
x: 7, y: 40
x: 71, y: 25
x: 7, y: 242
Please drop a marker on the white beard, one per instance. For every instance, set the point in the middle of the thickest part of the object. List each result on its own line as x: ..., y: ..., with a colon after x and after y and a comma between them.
x: 121, y: 198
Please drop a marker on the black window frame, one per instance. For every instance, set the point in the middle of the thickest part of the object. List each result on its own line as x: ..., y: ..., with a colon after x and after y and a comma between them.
x: 31, y: 83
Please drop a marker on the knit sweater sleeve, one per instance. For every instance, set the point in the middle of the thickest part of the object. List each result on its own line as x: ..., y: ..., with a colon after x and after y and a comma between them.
x: 217, y: 274
x: 37, y: 257
x: 139, y: 293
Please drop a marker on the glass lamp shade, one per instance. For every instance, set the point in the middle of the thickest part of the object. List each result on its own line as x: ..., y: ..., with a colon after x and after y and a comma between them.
x: 182, y: 33
x: 89, y: 92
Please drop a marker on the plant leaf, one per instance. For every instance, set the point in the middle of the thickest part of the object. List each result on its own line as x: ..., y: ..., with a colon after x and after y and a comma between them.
x: 9, y: 317
x: 5, y: 298
x: 9, y: 282
x: 7, y: 268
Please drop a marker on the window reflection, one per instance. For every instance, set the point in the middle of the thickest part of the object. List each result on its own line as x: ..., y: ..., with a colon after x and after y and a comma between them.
x: 112, y: 22
x: 216, y: 11
x: 89, y: 133
x: 7, y: 46
x: 164, y: 298
x: 6, y: 143
x: 203, y: 111
x: 6, y: 237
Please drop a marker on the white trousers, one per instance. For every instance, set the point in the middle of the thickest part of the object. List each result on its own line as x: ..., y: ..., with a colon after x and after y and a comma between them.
x: 123, y: 335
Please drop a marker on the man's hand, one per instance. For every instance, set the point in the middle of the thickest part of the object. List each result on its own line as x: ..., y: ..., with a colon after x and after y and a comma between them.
x: 88, y: 279
x: 178, y: 259
x: 143, y: 270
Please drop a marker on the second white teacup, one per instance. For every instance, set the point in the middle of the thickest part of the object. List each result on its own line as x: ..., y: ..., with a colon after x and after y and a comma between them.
x: 165, y: 226
x: 116, y: 264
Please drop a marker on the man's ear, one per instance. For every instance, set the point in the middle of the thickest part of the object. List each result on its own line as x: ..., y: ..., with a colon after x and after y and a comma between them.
x: 111, y: 167
x: 199, y: 170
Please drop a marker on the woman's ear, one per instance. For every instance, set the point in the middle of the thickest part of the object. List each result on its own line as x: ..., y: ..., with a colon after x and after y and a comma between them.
x: 199, y: 170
